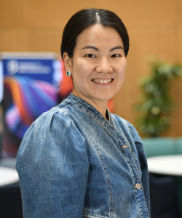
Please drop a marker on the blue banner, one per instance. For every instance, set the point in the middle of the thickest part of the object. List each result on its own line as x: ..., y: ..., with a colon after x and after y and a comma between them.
x: 31, y: 87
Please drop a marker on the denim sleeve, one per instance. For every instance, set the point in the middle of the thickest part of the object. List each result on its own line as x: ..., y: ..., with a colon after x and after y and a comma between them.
x: 53, y: 167
x: 143, y: 162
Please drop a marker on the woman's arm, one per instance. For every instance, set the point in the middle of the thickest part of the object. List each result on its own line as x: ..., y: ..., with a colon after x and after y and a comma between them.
x: 53, y: 167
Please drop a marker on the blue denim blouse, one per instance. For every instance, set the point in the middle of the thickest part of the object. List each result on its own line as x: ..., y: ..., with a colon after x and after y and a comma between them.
x: 73, y: 163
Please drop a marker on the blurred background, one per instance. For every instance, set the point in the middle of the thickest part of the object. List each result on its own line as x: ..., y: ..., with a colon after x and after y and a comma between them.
x: 155, y: 31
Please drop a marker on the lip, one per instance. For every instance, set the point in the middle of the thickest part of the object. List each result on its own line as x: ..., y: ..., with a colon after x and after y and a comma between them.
x: 102, y: 81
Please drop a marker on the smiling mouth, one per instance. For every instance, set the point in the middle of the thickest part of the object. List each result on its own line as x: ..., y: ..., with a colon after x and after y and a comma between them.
x: 102, y: 81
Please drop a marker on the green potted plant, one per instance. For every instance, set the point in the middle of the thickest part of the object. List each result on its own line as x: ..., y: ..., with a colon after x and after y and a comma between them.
x: 156, y: 104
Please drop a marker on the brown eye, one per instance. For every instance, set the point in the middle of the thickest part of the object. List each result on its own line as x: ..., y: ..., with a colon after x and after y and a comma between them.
x: 116, y: 55
x: 90, y: 56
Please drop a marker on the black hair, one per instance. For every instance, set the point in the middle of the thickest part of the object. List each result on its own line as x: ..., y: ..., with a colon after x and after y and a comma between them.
x: 87, y: 17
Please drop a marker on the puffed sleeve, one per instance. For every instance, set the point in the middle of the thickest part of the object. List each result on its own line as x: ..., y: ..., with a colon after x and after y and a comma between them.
x: 143, y: 162
x: 52, y: 164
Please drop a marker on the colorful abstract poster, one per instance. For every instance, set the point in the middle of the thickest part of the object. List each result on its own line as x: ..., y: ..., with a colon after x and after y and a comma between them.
x: 31, y: 86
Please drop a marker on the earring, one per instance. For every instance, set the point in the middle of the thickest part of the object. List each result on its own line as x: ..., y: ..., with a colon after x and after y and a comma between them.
x: 68, y: 73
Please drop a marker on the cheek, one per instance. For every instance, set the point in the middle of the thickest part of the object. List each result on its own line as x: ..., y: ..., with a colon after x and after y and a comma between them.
x: 80, y: 69
x: 124, y: 64
x: 122, y: 71
x: 122, y: 68
x: 85, y: 68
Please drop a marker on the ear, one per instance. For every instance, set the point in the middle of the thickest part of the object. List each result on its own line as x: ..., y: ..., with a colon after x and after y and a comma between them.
x: 67, y: 61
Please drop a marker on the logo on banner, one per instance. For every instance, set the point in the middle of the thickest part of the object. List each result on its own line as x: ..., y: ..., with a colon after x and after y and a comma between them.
x: 13, y: 67
x: 27, y: 67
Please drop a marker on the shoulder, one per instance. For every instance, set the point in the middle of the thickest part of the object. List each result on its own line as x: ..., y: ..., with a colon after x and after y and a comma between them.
x: 55, y: 116
x: 51, y: 134
x: 55, y: 126
x: 126, y: 127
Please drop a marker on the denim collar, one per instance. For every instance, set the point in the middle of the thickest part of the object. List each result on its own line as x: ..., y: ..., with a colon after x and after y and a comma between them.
x: 85, y: 106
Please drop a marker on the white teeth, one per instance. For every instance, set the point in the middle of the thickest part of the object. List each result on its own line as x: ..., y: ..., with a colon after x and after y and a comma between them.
x: 102, y: 81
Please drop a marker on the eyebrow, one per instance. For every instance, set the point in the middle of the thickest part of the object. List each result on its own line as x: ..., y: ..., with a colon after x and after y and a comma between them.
x: 96, y: 49
x: 90, y: 47
x: 117, y: 47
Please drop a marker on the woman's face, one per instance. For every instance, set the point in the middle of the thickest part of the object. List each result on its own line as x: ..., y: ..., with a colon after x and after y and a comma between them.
x: 98, y: 64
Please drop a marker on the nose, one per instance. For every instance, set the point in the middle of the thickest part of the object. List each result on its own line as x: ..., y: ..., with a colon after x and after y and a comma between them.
x: 104, y: 66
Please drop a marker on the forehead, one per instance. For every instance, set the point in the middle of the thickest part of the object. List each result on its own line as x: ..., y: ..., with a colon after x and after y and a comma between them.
x: 99, y: 34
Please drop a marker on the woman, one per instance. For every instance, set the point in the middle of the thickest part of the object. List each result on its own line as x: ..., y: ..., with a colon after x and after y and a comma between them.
x: 78, y: 159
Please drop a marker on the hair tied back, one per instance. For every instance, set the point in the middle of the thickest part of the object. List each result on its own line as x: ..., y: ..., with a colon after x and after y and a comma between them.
x: 97, y: 17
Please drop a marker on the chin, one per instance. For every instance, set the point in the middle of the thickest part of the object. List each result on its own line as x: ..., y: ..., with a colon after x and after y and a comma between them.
x: 104, y: 97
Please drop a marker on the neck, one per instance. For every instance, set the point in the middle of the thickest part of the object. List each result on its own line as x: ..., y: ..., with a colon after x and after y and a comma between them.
x: 99, y: 105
